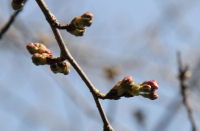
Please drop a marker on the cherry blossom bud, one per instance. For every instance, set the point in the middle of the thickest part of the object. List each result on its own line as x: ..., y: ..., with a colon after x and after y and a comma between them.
x: 128, y: 88
x: 40, y: 59
x: 152, y: 83
x: 37, y: 48
x: 78, y: 24
x: 87, y: 18
x: 151, y: 96
x: 84, y: 20
x: 146, y: 88
x: 87, y: 15
x: 61, y: 67
x: 77, y: 32
x: 127, y: 80
x: 17, y: 4
x: 123, y: 88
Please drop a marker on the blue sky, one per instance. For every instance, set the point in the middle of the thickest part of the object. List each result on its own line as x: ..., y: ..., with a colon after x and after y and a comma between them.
x: 141, y: 38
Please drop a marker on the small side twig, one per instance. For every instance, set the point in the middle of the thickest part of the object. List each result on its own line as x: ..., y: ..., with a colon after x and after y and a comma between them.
x: 183, y: 75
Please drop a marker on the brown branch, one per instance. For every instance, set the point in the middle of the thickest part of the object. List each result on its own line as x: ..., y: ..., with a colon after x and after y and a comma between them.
x: 65, y: 54
x: 183, y: 75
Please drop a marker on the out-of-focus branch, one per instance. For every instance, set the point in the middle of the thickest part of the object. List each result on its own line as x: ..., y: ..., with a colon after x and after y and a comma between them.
x: 183, y: 75
x: 10, y: 22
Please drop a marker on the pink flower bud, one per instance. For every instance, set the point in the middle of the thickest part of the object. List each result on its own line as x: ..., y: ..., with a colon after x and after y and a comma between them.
x: 153, y: 96
x: 152, y: 83
x: 127, y: 79
x: 37, y: 48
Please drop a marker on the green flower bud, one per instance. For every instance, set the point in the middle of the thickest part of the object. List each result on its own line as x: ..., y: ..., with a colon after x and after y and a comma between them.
x: 81, y: 21
x: 77, y: 32
x: 61, y: 67
x: 17, y: 4
x: 78, y: 24
x: 125, y: 87
x: 151, y: 95
x: 40, y: 59
x: 87, y: 18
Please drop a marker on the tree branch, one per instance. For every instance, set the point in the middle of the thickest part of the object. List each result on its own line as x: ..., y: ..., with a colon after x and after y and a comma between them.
x: 183, y: 75
x: 65, y: 54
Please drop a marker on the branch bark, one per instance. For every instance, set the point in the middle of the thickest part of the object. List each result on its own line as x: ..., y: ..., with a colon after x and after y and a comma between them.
x: 65, y: 54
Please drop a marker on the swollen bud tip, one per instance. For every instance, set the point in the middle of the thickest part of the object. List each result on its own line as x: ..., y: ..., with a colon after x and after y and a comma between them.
x: 61, y: 67
x: 37, y: 48
x: 78, y: 25
x: 17, y: 4
x: 40, y: 59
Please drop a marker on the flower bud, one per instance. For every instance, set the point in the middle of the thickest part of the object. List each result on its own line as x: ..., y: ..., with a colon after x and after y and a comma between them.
x: 81, y: 21
x: 125, y: 87
x: 152, y: 83
x: 77, y: 32
x: 78, y: 24
x: 61, y: 67
x: 17, y: 4
x: 87, y: 15
x: 37, y: 48
x: 40, y: 59
x: 87, y: 18
x: 146, y: 88
x: 127, y: 80
x: 151, y: 96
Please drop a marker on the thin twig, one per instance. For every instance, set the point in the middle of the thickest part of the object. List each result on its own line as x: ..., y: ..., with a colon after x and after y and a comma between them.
x: 183, y: 71
x: 10, y: 21
x: 65, y: 54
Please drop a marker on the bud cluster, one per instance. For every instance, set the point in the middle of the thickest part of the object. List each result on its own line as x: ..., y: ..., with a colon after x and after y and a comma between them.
x: 17, y: 4
x: 78, y: 25
x: 128, y: 88
x: 43, y: 56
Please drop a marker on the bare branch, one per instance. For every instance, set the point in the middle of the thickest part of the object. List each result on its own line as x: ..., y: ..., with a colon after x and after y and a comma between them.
x: 65, y: 54
x: 183, y: 75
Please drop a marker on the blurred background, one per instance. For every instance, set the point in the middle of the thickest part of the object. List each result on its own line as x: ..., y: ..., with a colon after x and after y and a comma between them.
x: 133, y: 37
